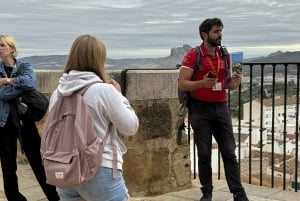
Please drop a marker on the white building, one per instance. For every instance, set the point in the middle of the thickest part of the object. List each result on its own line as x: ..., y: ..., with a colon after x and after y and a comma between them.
x: 267, y: 114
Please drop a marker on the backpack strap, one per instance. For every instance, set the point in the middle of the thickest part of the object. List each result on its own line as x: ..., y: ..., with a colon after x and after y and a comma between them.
x: 20, y: 70
x: 198, y: 65
x: 114, y: 147
x: 115, y: 152
x: 225, y: 58
x: 83, y: 89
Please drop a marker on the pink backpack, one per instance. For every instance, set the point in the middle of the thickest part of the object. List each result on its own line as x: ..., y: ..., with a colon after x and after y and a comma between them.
x: 70, y: 148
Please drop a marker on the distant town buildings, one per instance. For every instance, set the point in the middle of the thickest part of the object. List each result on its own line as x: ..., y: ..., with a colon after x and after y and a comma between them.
x: 273, y: 130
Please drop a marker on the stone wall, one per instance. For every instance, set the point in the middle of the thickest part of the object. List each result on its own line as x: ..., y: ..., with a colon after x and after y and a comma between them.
x: 154, y: 163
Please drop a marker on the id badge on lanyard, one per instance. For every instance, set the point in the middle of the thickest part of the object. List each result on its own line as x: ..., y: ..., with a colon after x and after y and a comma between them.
x: 218, y: 85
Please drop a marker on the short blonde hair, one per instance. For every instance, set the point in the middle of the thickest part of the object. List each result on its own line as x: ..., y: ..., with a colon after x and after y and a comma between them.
x: 10, y: 41
x: 87, y: 54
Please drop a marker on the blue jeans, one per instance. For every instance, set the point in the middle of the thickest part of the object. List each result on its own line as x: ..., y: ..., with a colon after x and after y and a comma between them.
x: 214, y: 119
x: 103, y: 187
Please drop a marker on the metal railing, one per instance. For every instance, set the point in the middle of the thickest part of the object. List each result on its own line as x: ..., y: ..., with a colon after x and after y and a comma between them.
x: 264, y: 84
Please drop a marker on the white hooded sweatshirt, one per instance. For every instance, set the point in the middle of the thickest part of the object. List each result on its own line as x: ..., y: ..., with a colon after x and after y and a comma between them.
x: 106, y: 106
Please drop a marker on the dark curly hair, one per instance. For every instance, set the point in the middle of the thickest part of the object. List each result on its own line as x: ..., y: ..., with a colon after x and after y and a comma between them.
x: 207, y: 24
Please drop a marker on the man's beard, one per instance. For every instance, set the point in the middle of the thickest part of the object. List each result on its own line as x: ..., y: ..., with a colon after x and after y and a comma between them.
x: 214, y: 43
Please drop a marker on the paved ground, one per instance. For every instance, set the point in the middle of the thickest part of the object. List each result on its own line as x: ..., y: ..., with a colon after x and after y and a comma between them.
x: 30, y: 188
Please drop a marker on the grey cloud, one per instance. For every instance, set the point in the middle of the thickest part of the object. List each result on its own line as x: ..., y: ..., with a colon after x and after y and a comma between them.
x: 137, y: 25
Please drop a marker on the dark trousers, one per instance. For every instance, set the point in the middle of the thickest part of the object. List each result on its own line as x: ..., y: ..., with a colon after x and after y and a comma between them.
x: 8, y: 154
x: 214, y: 119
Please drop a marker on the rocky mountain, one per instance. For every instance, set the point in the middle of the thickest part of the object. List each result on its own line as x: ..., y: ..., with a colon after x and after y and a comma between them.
x: 279, y: 57
x: 57, y: 62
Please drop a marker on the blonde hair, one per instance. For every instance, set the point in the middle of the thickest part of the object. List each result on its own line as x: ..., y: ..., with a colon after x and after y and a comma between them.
x: 10, y: 41
x: 87, y: 54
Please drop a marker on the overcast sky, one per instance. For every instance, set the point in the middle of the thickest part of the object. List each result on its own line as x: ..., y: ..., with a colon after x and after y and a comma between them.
x: 150, y: 28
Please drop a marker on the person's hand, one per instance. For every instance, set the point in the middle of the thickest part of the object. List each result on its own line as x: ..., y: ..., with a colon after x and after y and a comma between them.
x: 209, y: 81
x: 235, y: 81
x: 237, y: 77
x: 6, y: 81
x: 116, y: 85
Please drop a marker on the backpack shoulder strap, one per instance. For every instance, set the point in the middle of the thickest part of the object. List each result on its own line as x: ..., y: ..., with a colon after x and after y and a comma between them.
x: 113, y: 131
x: 20, y: 70
x: 198, y: 65
x: 199, y: 58
x: 225, y: 58
x: 83, y: 89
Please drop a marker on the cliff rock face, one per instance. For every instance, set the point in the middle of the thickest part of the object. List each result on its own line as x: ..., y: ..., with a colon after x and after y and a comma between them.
x: 179, y: 52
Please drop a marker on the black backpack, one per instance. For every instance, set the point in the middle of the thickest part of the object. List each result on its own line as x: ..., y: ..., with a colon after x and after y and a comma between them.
x: 185, y: 99
x: 35, y: 101
x: 184, y: 96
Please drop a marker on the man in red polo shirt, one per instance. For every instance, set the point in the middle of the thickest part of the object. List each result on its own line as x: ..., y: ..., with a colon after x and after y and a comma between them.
x: 209, y: 113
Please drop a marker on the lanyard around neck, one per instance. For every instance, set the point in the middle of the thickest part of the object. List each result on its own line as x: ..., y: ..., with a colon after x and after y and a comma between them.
x: 216, y: 69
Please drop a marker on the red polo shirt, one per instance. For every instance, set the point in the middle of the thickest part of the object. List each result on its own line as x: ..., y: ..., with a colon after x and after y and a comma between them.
x: 215, y: 64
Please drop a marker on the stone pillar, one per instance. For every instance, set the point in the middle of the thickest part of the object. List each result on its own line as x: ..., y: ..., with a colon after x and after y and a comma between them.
x: 154, y: 163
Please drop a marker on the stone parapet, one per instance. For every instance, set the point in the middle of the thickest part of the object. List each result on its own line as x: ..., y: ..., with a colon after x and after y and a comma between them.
x: 154, y: 163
